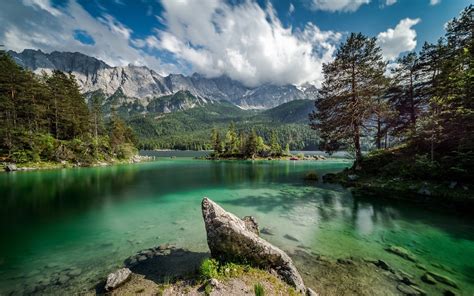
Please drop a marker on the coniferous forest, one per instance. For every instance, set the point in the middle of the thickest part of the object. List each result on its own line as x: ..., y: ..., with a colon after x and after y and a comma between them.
x: 46, y: 118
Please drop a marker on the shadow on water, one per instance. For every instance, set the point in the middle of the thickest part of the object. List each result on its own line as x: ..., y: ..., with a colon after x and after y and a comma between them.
x: 335, y: 203
x: 179, y: 264
x: 164, y: 267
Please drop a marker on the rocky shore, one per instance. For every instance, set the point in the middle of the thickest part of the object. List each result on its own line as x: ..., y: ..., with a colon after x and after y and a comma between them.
x: 243, y: 260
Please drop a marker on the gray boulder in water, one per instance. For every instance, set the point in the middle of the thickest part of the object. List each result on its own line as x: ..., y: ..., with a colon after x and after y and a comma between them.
x: 117, y: 278
x: 230, y: 238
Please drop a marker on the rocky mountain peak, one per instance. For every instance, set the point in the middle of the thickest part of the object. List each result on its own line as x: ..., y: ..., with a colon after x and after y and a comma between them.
x: 141, y: 84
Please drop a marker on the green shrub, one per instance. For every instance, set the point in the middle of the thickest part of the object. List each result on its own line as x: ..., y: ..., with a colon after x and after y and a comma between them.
x: 209, y: 269
x: 258, y: 289
x: 125, y: 151
x: 207, y: 289
x: 22, y: 156
x: 45, y: 144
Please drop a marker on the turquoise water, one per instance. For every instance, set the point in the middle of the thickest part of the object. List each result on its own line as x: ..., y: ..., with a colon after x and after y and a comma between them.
x: 90, y: 219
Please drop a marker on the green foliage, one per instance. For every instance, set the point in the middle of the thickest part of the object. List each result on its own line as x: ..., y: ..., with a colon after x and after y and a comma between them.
x: 244, y: 145
x: 259, y: 290
x: 22, y: 156
x: 190, y: 129
x: 209, y: 269
x: 348, y: 97
x: 425, y: 107
x: 207, y: 289
x: 47, y: 119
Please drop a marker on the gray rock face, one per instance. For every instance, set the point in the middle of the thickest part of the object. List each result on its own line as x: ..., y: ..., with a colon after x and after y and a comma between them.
x: 251, y: 224
x: 117, y: 278
x: 229, y: 238
x: 140, y: 84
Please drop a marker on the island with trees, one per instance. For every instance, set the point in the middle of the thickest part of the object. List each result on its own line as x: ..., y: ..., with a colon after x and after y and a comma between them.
x: 420, y: 117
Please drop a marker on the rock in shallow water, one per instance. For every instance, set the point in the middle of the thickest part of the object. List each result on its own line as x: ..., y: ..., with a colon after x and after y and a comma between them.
x: 402, y: 253
x: 117, y: 278
x: 229, y: 238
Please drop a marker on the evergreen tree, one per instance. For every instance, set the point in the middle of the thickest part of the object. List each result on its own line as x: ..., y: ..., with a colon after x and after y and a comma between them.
x: 349, y: 93
x: 275, y: 147
x: 405, y: 94
x: 231, y: 141
x: 252, y: 145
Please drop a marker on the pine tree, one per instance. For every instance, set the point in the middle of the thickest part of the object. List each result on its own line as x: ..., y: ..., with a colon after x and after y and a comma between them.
x: 275, y: 147
x: 349, y: 92
x: 252, y: 145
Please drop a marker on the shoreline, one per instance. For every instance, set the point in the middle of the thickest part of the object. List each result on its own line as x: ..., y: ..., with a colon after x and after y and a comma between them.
x: 51, y: 165
x: 450, y: 195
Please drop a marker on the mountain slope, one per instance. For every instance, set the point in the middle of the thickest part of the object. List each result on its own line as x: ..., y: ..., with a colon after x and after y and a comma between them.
x: 292, y: 112
x: 138, y: 85
x: 191, y: 128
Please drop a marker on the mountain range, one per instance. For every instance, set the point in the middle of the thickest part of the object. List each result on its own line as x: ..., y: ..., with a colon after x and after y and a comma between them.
x: 141, y: 90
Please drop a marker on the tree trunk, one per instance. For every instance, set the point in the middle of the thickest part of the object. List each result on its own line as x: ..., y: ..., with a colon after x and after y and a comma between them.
x: 378, y: 139
x: 358, y: 152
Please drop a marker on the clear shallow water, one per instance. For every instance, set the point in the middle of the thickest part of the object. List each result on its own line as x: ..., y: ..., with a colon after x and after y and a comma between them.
x: 93, y: 218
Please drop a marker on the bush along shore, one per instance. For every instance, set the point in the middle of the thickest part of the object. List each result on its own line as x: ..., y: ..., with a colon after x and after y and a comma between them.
x: 400, y: 173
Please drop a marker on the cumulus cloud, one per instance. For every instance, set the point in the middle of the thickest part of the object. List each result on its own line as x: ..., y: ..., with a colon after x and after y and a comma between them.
x: 245, y: 42
x: 390, y: 2
x: 434, y: 2
x: 48, y: 28
x: 338, y: 5
x: 400, y: 39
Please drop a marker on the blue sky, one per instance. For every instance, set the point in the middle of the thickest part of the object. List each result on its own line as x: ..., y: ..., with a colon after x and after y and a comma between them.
x: 254, y: 41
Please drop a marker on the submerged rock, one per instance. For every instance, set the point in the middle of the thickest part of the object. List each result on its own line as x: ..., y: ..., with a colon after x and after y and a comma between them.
x: 404, y: 253
x: 443, y: 279
x: 117, y: 278
x: 267, y: 231
x: 292, y: 238
x: 428, y: 279
x: 408, y: 290
x: 229, y: 239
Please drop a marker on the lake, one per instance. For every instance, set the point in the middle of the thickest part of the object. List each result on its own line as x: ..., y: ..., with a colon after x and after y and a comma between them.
x: 84, y: 222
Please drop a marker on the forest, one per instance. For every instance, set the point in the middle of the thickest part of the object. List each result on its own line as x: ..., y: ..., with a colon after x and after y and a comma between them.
x: 46, y: 118
x: 420, y: 115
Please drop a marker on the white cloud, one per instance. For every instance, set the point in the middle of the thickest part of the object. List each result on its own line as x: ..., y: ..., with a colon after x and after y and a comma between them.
x: 42, y: 5
x: 245, y: 42
x: 434, y: 2
x: 291, y: 9
x: 49, y: 28
x: 400, y: 39
x: 390, y: 2
x: 338, y: 5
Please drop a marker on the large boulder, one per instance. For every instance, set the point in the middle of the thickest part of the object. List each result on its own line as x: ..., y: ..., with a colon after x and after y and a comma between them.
x: 230, y: 238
